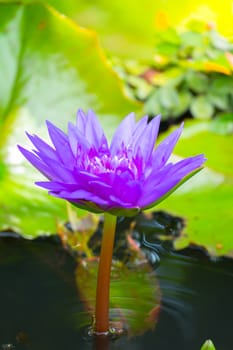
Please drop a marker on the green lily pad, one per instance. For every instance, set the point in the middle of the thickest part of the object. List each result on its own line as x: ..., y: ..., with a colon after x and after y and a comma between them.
x: 127, y: 28
x: 49, y: 68
x: 206, y: 201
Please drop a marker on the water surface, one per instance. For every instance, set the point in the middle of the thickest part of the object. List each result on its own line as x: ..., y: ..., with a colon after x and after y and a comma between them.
x: 39, y: 300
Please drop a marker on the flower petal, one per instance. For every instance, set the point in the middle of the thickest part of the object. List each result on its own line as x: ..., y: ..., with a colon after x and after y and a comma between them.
x: 123, y: 133
x: 126, y: 189
x: 163, y: 151
x: 99, y: 189
x: 62, y: 173
x: 187, y: 165
x: 94, y: 132
x: 89, y: 125
x: 42, y: 147
x: 57, y: 186
x: 138, y: 131
x: 117, y: 202
x: 129, y: 176
x: 76, y: 138
x: 81, y: 196
x: 81, y: 121
x: 61, y: 144
x: 156, y: 178
x: 146, y: 141
x: 159, y: 191
x: 168, y: 178
x: 37, y: 163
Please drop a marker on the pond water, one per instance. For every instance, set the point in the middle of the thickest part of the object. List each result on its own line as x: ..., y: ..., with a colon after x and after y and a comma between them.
x: 39, y: 301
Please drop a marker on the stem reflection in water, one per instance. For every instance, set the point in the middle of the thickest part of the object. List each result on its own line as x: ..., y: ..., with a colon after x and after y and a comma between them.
x: 103, y: 280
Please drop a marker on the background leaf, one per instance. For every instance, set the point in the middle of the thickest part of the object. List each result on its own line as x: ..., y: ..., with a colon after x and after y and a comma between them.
x: 205, y: 201
x: 133, y: 35
x: 201, y: 108
x: 49, y: 67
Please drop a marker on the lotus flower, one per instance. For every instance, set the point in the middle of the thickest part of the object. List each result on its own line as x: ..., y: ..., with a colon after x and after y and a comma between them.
x: 122, y: 178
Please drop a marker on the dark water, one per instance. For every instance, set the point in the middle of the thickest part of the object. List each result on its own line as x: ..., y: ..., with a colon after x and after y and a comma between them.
x: 39, y: 301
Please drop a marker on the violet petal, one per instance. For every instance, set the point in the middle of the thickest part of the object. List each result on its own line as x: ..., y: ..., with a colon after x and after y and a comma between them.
x: 174, y: 173
x: 81, y: 195
x: 38, y: 163
x: 147, y: 140
x: 61, y: 144
x: 163, y: 151
x: 76, y: 138
x: 42, y: 147
x: 123, y: 133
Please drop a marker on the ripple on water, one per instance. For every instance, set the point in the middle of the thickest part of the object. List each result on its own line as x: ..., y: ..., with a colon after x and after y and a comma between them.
x: 39, y: 298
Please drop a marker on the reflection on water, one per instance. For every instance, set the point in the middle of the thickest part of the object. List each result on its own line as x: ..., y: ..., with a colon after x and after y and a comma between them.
x: 39, y: 301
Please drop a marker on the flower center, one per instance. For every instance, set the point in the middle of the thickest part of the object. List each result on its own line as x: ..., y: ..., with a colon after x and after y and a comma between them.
x: 103, y: 162
x: 116, y: 164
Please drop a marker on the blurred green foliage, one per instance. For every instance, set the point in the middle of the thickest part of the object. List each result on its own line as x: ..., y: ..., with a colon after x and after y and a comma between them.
x: 206, y: 200
x: 191, y: 74
x: 50, y: 67
x: 127, y: 28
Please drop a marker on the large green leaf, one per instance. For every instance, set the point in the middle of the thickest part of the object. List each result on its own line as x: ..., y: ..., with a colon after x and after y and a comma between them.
x: 49, y: 67
x: 206, y: 201
x: 127, y: 28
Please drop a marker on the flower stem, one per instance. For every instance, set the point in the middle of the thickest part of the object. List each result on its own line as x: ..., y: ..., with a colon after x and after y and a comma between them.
x: 103, y: 279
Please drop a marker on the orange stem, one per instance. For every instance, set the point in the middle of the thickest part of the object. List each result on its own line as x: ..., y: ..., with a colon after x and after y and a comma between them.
x: 104, y: 272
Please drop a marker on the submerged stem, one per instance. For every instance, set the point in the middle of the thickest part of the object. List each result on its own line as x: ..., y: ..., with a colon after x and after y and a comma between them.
x: 103, y: 279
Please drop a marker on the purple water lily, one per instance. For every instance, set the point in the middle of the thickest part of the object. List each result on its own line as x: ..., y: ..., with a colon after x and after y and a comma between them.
x: 122, y: 178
